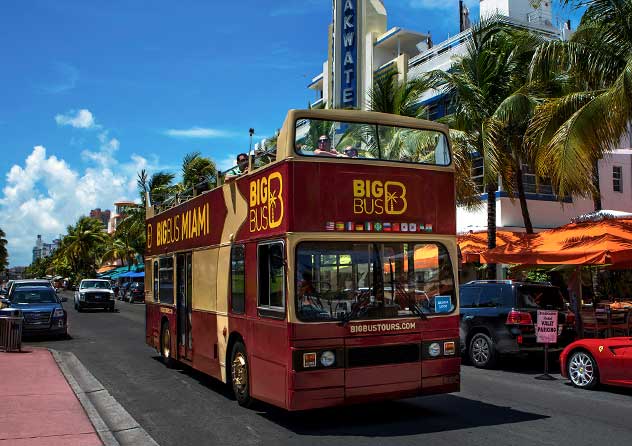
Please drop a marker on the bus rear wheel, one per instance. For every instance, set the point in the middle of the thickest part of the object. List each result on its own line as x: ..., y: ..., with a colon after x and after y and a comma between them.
x: 165, y: 345
x: 239, y: 374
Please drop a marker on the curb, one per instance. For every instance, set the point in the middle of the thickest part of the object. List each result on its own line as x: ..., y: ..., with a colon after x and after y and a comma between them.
x: 114, y: 425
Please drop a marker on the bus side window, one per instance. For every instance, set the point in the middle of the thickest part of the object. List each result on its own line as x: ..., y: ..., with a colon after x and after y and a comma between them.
x: 237, y: 279
x: 271, y: 283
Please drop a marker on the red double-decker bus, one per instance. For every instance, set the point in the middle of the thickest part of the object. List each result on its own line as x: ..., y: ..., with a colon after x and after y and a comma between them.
x: 323, y: 275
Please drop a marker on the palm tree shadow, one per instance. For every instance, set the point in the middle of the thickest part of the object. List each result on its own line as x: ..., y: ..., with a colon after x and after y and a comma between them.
x: 396, y: 418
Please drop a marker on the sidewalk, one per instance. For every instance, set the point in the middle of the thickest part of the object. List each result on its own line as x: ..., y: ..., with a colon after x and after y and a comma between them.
x: 38, y: 406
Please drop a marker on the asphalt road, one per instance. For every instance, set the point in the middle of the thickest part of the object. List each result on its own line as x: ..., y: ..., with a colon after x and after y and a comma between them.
x: 182, y: 407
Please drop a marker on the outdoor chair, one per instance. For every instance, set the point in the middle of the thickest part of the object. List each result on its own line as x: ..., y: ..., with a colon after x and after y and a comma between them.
x: 619, y: 323
x: 592, y: 327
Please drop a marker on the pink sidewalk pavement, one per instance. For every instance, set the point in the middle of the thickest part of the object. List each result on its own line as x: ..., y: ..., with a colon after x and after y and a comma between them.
x: 37, y: 405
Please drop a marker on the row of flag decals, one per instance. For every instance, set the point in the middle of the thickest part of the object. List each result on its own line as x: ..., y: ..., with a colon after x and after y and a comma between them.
x: 370, y: 226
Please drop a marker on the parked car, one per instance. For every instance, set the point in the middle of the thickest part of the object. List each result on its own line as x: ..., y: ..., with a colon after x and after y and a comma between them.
x: 94, y: 293
x: 28, y: 282
x: 498, y: 317
x: 42, y: 310
x: 136, y: 292
x: 590, y: 362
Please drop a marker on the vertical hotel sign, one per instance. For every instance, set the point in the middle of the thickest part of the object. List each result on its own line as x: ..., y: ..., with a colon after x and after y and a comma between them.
x: 347, y: 54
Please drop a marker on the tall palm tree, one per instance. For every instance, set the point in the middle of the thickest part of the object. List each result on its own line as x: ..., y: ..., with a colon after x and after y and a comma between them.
x: 4, y: 255
x: 478, y: 83
x: 388, y: 95
x: 572, y: 131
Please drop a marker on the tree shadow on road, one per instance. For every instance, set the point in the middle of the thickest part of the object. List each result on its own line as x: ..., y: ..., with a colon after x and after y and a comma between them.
x: 394, y: 418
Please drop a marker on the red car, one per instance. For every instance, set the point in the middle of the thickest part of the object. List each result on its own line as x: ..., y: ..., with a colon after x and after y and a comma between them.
x: 590, y: 362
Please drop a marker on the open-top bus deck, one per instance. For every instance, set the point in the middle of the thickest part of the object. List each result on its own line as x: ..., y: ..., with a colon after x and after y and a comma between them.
x: 321, y: 278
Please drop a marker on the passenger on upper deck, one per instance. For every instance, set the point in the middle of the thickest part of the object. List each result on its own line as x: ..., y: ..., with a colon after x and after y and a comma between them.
x: 325, y: 149
x: 242, y: 164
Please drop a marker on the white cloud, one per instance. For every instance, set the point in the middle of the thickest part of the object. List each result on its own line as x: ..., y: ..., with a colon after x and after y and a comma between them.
x: 45, y: 194
x: 197, y: 132
x: 83, y: 119
x: 227, y: 162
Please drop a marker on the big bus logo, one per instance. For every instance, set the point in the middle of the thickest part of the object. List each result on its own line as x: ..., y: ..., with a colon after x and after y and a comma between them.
x: 266, y: 203
x: 374, y: 197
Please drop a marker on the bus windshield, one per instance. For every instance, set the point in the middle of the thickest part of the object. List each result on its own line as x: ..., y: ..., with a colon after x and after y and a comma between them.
x: 347, y: 280
x: 371, y: 142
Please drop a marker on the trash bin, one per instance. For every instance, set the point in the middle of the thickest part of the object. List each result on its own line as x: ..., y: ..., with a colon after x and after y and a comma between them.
x: 11, y: 330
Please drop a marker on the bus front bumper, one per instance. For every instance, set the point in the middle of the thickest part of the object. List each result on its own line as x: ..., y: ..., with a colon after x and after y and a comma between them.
x: 326, y: 388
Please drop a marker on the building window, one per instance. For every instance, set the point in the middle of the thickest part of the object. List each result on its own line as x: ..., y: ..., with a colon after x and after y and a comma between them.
x: 271, y: 284
x: 238, y: 279
x: 165, y: 283
x: 617, y: 184
x: 534, y: 185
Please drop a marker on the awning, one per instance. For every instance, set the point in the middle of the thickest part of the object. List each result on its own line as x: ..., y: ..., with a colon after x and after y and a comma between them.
x: 130, y: 274
x: 473, y: 243
x: 105, y: 269
x: 606, y: 242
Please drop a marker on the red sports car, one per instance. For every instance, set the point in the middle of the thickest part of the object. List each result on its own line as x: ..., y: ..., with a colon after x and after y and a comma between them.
x: 589, y: 362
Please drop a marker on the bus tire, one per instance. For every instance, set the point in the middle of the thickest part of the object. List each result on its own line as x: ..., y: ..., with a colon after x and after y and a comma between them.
x: 165, y: 345
x: 240, y: 374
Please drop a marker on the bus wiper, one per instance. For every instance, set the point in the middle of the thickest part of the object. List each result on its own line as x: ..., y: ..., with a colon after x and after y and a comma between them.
x: 345, y: 318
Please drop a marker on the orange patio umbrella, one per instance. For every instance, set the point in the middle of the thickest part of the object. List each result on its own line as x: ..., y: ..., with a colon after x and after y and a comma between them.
x: 589, y: 243
x: 473, y: 243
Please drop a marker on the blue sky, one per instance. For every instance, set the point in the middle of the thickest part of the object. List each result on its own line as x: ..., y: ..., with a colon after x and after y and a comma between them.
x: 92, y: 91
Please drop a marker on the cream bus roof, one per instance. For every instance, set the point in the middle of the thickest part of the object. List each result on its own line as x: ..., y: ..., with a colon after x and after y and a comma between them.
x: 285, y: 141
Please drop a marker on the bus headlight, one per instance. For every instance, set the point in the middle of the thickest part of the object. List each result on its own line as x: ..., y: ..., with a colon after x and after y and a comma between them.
x: 327, y: 358
x: 434, y: 349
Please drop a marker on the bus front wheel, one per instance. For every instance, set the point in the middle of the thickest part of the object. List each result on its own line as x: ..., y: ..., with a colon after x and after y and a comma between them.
x: 240, y: 374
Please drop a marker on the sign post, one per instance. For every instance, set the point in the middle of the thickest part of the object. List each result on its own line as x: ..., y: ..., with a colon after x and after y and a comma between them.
x: 546, y: 333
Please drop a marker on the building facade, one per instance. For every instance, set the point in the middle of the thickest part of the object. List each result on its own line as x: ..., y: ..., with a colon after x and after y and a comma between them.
x: 103, y: 216
x: 120, y: 208
x: 43, y: 249
x: 362, y: 47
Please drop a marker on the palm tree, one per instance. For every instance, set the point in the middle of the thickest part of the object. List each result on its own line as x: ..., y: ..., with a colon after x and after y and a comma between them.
x: 198, y: 170
x: 4, y: 255
x: 390, y: 96
x: 572, y: 131
x: 478, y: 83
x: 119, y: 249
x: 84, y: 245
x: 159, y: 185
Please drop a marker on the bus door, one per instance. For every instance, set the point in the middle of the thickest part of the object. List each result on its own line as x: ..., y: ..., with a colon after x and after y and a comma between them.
x: 184, y: 304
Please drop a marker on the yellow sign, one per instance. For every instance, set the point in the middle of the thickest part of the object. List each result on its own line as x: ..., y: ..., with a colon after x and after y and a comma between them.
x: 374, y: 197
x: 266, y: 203
x: 188, y: 224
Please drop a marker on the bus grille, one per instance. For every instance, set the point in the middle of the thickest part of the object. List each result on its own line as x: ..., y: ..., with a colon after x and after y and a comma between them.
x: 389, y: 354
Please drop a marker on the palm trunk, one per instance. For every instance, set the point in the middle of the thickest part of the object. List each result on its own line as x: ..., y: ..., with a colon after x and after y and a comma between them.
x: 491, y: 226
x: 597, y: 187
x: 526, y: 218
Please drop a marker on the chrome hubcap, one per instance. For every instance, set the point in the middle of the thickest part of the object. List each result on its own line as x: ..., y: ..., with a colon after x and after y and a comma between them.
x: 166, y: 343
x: 239, y: 372
x: 581, y: 369
x: 480, y: 350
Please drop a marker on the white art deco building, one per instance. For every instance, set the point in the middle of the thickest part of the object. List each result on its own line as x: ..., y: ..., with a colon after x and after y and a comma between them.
x: 362, y: 46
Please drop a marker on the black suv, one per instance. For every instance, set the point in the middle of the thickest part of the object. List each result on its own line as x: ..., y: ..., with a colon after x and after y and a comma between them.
x: 498, y: 317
